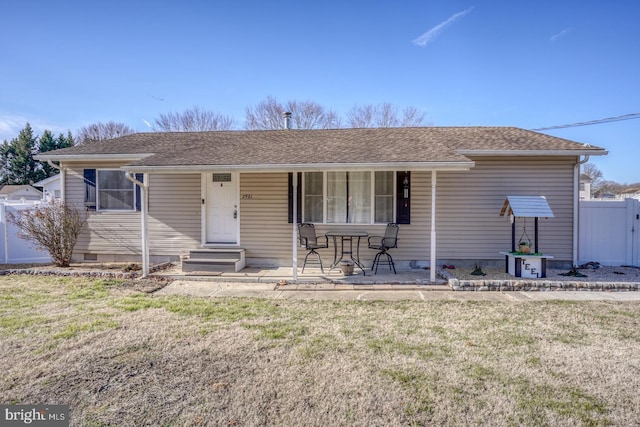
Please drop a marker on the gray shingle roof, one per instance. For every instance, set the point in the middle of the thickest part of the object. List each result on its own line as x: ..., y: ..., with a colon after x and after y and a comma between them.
x: 324, y: 147
x: 8, y: 189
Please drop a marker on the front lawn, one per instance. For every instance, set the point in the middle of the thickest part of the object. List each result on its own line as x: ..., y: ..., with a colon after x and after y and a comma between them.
x: 121, y: 357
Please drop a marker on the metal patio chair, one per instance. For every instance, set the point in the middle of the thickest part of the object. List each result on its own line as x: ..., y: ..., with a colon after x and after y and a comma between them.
x: 308, y: 239
x: 382, y: 244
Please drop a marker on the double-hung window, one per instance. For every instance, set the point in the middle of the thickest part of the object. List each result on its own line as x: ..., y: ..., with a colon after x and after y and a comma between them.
x: 114, y: 191
x: 349, y: 197
x: 110, y: 190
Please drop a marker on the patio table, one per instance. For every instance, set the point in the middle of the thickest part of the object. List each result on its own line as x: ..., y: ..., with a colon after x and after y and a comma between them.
x: 347, y: 236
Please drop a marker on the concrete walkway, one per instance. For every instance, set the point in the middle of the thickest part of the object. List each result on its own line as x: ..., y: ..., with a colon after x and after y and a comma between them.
x: 408, y: 284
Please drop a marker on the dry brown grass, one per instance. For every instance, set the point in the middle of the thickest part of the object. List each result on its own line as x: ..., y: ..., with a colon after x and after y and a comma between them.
x: 121, y: 357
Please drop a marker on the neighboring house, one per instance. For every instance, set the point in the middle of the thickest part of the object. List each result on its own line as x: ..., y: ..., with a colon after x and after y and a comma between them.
x: 445, y: 186
x: 633, y: 193
x: 585, y: 187
x: 19, y: 192
x: 51, y: 188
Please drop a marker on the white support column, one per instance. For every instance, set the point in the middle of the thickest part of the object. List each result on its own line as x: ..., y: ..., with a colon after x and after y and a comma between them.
x: 144, y: 206
x: 294, y: 184
x: 144, y: 193
x: 432, y: 257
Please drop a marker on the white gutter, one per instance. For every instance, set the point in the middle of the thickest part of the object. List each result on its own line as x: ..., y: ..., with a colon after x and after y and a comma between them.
x: 144, y: 187
x: 63, y: 176
x: 576, y: 207
x: 533, y: 152
x: 318, y: 167
x: 78, y: 157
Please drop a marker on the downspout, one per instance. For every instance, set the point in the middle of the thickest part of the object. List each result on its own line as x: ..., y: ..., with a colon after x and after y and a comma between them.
x: 63, y: 176
x: 576, y: 206
x: 5, y: 222
x: 432, y: 256
x: 144, y: 187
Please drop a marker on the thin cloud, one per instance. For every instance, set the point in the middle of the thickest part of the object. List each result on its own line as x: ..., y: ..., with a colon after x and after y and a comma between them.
x: 561, y: 34
x: 427, y: 37
x: 147, y: 123
x: 11, y: 125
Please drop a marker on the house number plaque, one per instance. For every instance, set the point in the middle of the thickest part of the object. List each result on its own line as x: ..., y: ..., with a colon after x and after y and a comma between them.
x: 246, y: 196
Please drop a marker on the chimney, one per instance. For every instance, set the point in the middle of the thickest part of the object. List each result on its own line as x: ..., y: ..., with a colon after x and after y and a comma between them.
x: 287, y: 120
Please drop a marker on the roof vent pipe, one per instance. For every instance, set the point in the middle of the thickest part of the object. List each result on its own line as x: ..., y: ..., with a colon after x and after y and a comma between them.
x: 287, y: 120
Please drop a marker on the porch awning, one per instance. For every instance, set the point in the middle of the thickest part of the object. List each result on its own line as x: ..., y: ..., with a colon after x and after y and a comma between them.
x: 526, y: 207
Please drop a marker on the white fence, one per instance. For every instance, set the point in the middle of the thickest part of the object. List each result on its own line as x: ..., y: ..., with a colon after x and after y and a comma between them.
x: 609, y: 232
x: 14, y: 250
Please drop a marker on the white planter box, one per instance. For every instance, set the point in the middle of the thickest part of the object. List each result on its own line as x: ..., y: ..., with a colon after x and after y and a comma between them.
x: 527, y: 266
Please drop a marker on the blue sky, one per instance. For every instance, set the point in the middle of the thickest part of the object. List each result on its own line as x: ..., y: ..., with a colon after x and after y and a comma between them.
x: 500, y: 63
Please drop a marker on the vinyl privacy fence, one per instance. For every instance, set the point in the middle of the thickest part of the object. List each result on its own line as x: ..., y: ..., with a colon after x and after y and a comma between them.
x: 13, y: 249
x: 609, y: 232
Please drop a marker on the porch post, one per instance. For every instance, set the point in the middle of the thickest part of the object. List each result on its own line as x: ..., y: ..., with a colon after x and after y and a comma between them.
x: 432, y: 257
x: 144, y: 193
x: 144, y: 206
x: 294, y: 183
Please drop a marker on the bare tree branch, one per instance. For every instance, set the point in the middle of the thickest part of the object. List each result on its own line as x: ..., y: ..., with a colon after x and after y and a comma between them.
x: 361, y: 116
x: 267, y: 115
x: 592, y: 172
x: 194, y: 119
x: 383, y: 115
x: 100, y: 131
x: 411, y: 116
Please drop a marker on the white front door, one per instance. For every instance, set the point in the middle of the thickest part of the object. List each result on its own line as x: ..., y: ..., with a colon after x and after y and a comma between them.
x: 222, y: 208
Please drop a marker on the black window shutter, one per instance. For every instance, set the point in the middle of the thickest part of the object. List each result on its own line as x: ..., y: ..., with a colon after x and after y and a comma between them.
x: 290, y: 191
x: 403, y: 204
x: 139, y: 177
x: 90, y: 189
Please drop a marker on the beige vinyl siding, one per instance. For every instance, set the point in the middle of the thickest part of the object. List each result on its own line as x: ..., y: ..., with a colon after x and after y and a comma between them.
x: 469, y: 203
x: 173, y: 222
x: 175, y: 216
x: 106, y: 232
x: 264, y: 230
x: 267, y: 236
x: 414, y: 240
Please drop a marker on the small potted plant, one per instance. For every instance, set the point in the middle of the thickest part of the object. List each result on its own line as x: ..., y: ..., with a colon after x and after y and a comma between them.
x: 347, y: 267
x: 524, y: 247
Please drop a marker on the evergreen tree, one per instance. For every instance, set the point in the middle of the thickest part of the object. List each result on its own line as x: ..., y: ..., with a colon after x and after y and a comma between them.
x: 17, y: 165
x: 48, y: 143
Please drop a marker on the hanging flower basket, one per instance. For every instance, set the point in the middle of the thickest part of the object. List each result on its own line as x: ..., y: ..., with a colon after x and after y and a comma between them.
x: 524, y: 247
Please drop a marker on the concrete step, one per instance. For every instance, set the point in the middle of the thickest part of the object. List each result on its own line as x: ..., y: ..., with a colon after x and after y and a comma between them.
x: 222, y: 266
x: 235, y: 253
x: 214, y: 260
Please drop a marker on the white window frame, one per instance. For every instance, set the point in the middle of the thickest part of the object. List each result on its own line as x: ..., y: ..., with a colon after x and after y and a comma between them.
x: 98, y: 207
x: 372, y: 201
